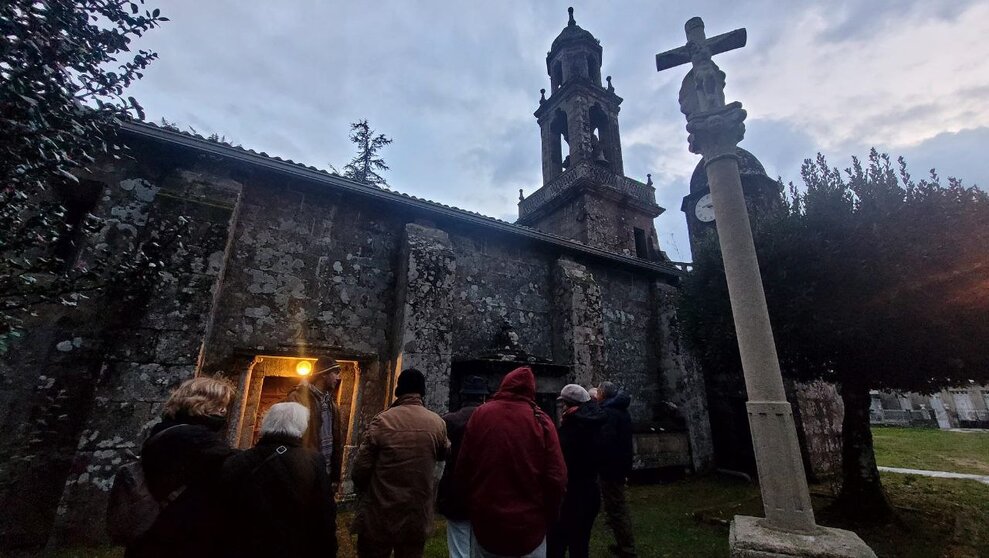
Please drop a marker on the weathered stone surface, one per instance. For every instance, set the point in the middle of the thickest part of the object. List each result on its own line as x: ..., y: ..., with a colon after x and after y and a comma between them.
x: 578, y: 324
x: 423, y: 333
x: 684, y: 379
x: 749, y: 539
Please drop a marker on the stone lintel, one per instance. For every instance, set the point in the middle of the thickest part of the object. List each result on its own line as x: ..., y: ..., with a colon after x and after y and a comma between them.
x: 750, y: 539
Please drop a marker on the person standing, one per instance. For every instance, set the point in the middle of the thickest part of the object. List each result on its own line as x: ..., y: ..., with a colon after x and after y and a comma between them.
x: 181, y: 461
x: 618, y: 453
x: 394, y: 474
x: 278, y: 493
x: 451, y: 502
x: 511, y: 470
x: 325, y: 431
x: 580, y: 439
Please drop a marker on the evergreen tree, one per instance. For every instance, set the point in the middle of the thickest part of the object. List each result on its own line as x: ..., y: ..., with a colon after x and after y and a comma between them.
x: 873, y: 281
x: 64, y: 68
x: 364, y: 167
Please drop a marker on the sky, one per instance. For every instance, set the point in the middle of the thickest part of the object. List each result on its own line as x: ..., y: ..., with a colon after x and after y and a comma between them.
x: 455, y: 85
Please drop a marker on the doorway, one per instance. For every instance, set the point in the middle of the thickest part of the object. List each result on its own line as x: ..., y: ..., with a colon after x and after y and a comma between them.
x: 269, y: 379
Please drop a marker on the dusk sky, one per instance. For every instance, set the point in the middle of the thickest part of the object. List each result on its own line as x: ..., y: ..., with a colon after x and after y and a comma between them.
x: 455, y: 84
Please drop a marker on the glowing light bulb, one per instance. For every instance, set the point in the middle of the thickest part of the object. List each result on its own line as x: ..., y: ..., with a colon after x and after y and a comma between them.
x: 303, y: 368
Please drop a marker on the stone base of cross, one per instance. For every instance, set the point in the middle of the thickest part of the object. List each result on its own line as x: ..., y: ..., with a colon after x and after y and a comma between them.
x: 715, y: 129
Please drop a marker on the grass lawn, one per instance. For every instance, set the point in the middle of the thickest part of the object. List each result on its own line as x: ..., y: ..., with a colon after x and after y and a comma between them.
x: 936, y: 518
x: 932, y: 449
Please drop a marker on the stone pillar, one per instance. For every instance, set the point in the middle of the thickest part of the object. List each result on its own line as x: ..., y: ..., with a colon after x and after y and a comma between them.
x: 683, y: 378
x: 423, y: 335
x: 714, y: 131
x: 578, y: 323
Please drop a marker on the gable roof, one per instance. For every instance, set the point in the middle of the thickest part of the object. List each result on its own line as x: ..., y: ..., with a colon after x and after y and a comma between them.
x: 148, y: 131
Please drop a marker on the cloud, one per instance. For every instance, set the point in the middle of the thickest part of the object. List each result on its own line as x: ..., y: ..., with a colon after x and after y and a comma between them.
x: 455, y: 85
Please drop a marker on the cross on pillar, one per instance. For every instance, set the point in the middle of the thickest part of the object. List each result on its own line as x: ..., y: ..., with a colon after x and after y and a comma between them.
x: 715, y: 128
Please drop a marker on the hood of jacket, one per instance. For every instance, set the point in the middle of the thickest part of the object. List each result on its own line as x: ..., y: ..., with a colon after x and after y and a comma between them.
x: 518, y: 384
x: 620, y: 402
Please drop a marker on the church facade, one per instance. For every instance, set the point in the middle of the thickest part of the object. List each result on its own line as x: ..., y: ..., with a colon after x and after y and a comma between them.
x: 286, y: 263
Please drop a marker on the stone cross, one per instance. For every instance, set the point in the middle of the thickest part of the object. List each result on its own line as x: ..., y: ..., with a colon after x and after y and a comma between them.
x: 715, y: 128
x: 706, y: 78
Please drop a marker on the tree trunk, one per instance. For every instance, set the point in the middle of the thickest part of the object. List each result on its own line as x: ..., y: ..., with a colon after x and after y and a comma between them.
x: 862, y: 498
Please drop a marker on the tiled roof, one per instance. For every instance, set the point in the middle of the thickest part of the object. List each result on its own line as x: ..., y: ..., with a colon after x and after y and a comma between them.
x: 170, y: 135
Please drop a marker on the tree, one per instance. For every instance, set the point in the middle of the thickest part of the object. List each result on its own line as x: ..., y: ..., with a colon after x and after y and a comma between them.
x: 365, y: 166
x: 873, y: 281
x: 64, y: 69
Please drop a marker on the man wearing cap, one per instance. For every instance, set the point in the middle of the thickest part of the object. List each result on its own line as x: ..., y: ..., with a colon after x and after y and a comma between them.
x: 450, y: 502
x: 325, y: 431
x: 580, y: 439
x: 394, y: 474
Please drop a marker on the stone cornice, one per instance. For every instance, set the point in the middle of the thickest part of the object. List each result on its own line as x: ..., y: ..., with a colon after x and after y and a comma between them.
x: 587, y: 174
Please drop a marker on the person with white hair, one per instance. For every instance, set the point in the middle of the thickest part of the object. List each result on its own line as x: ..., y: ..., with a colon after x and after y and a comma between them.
x: 279, y: 492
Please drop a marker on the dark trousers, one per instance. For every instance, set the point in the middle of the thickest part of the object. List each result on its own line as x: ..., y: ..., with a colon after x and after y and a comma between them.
x: 368, y: 547
x: 572, y: 531
x: 617, y: 517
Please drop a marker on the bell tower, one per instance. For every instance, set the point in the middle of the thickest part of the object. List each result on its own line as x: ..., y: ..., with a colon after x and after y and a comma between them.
x: 585, y: 194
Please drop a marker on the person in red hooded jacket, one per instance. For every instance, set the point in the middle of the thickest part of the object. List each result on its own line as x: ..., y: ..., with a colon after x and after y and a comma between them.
x: 512, y: 472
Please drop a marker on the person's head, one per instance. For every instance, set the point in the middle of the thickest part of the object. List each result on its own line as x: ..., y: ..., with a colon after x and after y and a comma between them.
x: 285, y: 419
x: 573, y: 395
x: 411, y: 381
x: 474, y: 390
x: 593, y: 392
x: 607, y: 390
x: 200, y: 397
x: 326, y: 374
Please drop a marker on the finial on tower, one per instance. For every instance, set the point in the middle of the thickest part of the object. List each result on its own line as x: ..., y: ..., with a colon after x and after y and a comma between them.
x: 521, y: 197
x: 648, y: 180
x: 611, y: 88
x: 572, y: 21
x: 542, y: 96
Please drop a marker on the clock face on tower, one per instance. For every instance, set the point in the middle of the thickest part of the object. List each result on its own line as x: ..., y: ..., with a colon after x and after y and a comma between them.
x: 704, y: 210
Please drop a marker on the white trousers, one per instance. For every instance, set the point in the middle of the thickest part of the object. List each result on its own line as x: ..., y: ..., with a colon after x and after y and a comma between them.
x: 478, y: 552
x: 458, y: 538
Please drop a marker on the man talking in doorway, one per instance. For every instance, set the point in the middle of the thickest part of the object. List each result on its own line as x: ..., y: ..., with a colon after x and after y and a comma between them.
x: 325, y: 431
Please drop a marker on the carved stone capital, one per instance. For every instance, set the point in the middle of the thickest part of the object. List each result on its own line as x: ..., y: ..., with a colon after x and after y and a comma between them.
x: 715, y: 134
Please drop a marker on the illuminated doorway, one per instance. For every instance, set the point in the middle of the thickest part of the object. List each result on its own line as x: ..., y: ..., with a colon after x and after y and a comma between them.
x: 269, y: 379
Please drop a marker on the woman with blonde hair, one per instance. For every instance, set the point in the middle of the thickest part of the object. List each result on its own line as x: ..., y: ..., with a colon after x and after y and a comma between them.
x: 182, y: 458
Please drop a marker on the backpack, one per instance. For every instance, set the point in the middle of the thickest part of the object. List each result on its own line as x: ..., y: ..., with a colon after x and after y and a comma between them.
x: 132, y: 509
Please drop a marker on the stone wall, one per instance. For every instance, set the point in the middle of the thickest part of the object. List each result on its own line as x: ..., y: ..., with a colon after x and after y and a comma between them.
x: 286, y: 267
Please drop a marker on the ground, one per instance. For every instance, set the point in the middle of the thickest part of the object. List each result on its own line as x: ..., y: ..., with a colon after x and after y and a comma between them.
x: 931, y: 449
x: 936, y: 517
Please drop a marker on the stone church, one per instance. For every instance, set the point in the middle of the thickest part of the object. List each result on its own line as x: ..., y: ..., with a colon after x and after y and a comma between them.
x: 287, y: 263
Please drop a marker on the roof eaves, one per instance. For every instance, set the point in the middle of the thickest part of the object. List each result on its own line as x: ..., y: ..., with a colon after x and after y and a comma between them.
x: 299, y: 170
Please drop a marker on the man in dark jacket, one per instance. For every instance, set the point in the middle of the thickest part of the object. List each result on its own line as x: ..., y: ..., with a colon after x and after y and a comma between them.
x: 394, y: 474
x: 580, y: 439
x: 617, y: 465
x: 279, y: 500
x: 450, y: 502
x: 326, y: 430
x: 512, y: 472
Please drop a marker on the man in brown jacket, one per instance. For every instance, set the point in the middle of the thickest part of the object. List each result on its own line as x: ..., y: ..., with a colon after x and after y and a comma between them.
x: 394, y: 474
x: 325, y: 431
